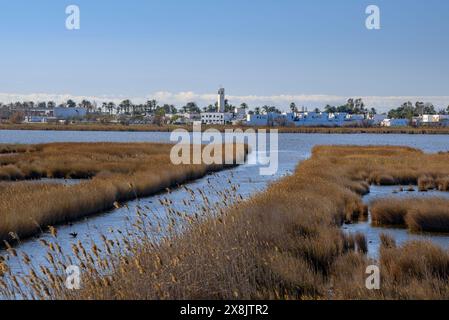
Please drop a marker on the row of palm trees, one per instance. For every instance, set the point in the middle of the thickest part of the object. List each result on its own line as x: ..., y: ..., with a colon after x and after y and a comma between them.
x: 353, y: 106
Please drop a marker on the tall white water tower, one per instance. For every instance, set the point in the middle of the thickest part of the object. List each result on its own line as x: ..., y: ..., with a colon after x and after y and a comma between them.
x: 221, y: 100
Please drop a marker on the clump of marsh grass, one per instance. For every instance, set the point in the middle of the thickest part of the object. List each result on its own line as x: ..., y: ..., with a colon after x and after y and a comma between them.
x: 417, y: 214
x: 388, y: 212
x: 387, y: 241
x: 426, y: 183
x: 443, y: 183
x: 416, y: 270
x: 361, y: 242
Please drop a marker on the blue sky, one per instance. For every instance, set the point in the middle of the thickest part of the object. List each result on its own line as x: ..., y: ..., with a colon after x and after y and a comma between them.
x: 263, y: 51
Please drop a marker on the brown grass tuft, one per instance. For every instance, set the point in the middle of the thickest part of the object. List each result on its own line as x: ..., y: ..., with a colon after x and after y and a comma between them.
x: 417, y: 214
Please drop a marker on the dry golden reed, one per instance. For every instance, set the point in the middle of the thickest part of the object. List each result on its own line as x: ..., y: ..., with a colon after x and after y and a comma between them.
x: 111, y: 173
x: 283, y: 243
x: 417, y: 214
x: 286, y: 243
x: 169, y: 128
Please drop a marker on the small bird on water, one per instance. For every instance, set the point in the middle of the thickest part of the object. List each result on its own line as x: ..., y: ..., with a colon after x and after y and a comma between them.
x: 74, y: 234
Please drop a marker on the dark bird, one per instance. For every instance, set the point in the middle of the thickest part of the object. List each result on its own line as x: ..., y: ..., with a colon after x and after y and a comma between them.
x: 74, y: 234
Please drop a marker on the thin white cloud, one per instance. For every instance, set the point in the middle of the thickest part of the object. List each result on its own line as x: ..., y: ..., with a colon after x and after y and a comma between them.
x: 382, y: 103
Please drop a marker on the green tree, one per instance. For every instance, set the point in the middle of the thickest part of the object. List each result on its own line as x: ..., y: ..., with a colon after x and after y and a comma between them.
x: 166, y: 109
x: 405, y: 111
x: 191, y: 107
x: 70, y: 103
x: 87, y: 105
x: 150, y: 106
x: 293, y: 107
x: 229, y: 107
x: 125, y: 106
x: 111, y: 106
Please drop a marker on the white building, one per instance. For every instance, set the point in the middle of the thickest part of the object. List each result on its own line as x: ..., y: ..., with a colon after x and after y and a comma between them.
x: 216, y: 118
x: 239, y: 117
x: 435, y: 119
x: 324, y: 119
x: 305, y: 119
x: 377, y: 119
x: 36, y: 119
x: 64, y: 113
x: 257, y: 120
x: 395, y: 123
x: 315, y: 119
x: 220, y: 117
x: 185, y: 118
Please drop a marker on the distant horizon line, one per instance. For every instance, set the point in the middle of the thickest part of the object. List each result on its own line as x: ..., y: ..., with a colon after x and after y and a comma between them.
x: 382, y: 103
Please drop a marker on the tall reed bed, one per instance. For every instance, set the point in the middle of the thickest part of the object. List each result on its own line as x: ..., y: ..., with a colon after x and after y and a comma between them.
x: 284, y: 243
x: 169, y: 128
x: 113, y: 173
x: 417, y: 214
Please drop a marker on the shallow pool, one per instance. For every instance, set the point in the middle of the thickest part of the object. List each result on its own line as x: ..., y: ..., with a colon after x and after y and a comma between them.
x: 400, y: 235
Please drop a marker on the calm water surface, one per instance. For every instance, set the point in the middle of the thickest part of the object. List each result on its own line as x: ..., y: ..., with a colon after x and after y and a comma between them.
x: 400, y: 235
x: 293, y: 148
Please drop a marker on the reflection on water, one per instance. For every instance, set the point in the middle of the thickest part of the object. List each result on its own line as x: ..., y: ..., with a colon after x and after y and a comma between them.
x: 400, y: 235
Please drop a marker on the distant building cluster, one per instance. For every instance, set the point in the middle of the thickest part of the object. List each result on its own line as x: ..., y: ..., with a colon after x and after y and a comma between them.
x: 352, y: 114
x: 305, y: 119
x: 55, y: 114
x: 242, y: 116
x: 220, y: 116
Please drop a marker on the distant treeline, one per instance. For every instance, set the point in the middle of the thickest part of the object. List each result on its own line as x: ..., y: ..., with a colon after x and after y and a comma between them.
x: 407, y: 110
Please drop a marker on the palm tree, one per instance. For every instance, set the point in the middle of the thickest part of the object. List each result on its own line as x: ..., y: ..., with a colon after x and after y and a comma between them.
x: 266, y: 109
x: 210, y: 108
x: 244, y: 106
x: 293, y: 107
x: 71, y: 104
x: 151, y: 106
x: 126, y: 106
x: 87, y: 105
x: 111, y: 107
x: 359, y: 105
x: 330, y: 109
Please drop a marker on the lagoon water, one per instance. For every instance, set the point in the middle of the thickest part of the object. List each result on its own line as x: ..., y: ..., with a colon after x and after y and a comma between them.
x: 293, y: 148
x: 400, y: 235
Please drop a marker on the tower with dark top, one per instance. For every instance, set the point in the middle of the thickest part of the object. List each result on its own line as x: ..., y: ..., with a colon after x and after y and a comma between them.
x: 221, y: 100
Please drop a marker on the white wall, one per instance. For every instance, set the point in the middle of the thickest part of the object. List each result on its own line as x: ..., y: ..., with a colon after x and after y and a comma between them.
x: 69, y: 113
